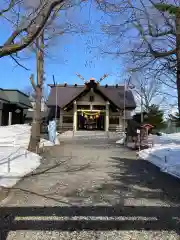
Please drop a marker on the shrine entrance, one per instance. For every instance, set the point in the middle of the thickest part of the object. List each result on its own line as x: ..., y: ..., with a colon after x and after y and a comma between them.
x: 91, y: 120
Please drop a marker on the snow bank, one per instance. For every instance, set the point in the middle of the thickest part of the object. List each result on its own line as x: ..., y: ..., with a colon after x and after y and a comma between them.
x: 165, y: 153
x: 15, y: 160
x: 15, y: 163
x: 18, y: 136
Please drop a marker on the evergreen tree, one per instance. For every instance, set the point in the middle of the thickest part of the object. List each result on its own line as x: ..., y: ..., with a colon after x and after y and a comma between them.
x: 155, y: 117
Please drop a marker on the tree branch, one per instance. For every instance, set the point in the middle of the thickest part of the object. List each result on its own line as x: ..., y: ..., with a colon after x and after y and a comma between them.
x: 161, y: 34
x: 157, y: 54
x: 10, y: 6
x: 8, y: 48
x: 18, y: 63
x: 32, y: 82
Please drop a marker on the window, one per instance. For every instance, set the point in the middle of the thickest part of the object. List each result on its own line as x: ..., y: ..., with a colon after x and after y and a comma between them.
x: 114, y: 120
x: 67, y: 119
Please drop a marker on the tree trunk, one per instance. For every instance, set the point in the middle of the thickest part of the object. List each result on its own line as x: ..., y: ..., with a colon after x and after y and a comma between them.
x: 36, y: 124
x: 178, y: 57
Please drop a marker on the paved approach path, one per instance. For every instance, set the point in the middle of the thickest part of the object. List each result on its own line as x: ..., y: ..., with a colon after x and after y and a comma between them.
x: 92, y: 189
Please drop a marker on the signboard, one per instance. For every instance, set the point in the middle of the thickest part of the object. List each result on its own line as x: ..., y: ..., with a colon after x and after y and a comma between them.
x: 138, y: 131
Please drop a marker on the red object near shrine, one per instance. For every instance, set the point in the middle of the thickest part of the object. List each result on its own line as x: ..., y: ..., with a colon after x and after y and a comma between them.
x: 147, y: 126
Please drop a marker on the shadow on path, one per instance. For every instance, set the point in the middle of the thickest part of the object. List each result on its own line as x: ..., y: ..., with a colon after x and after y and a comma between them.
x: 144, y: 180
x: 131, y: 179
x: 144, y: 218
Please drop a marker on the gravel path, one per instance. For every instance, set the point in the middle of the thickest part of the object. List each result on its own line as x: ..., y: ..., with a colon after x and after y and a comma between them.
x: 92, y: 189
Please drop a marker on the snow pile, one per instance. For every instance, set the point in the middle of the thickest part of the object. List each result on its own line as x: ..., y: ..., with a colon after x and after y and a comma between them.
x: 122, y: 139
x: 15, y: 160
x: 173, y: 138
x: 18, y: 136
x: 15, y: 163
x: 164, y: 153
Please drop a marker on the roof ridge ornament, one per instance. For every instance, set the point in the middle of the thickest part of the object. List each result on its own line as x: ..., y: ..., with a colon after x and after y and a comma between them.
x: 92, y: 79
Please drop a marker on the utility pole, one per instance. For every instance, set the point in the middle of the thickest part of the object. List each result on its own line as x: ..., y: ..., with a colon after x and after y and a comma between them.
x: 56, y: 108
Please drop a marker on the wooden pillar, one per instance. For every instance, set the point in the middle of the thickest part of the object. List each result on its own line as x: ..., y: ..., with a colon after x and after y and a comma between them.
x: 60, y: 119
x: 121, y: 121
x: 75, y: 117
x: 107, y: 117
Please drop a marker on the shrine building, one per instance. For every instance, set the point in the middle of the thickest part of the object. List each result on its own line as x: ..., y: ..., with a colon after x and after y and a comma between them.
x: 90, y: 106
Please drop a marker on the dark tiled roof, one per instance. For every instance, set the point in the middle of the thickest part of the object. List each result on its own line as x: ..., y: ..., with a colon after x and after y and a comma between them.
x: 116, y: 95
x: 66, y: 94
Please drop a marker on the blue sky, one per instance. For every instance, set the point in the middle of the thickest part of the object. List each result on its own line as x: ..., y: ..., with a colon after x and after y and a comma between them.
x: 69, y: 54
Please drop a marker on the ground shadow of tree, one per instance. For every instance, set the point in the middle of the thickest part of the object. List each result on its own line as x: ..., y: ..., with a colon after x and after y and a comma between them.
x: 114, y: 214
x: 144, y: 180
x: 132, y: 180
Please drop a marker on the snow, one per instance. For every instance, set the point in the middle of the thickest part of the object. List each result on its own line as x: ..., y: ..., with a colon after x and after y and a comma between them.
x: 164, y: 153
x: 15, y: 163
x: 122, y: 139
x: 15, y: 160
x: 18, y: 136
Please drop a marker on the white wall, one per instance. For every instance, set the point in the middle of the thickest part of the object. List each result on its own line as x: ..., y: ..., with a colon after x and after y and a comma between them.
x: 98, y: 100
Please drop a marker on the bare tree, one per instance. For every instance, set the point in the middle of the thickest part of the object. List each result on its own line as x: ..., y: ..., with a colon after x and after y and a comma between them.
x: 147, y: 90
x: 146, y: 35
x: 34, y: 30
x: 30, y: 26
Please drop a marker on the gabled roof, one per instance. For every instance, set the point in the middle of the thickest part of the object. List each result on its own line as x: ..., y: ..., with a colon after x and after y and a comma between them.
x: 66, y: 94
x: 116, y: 95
